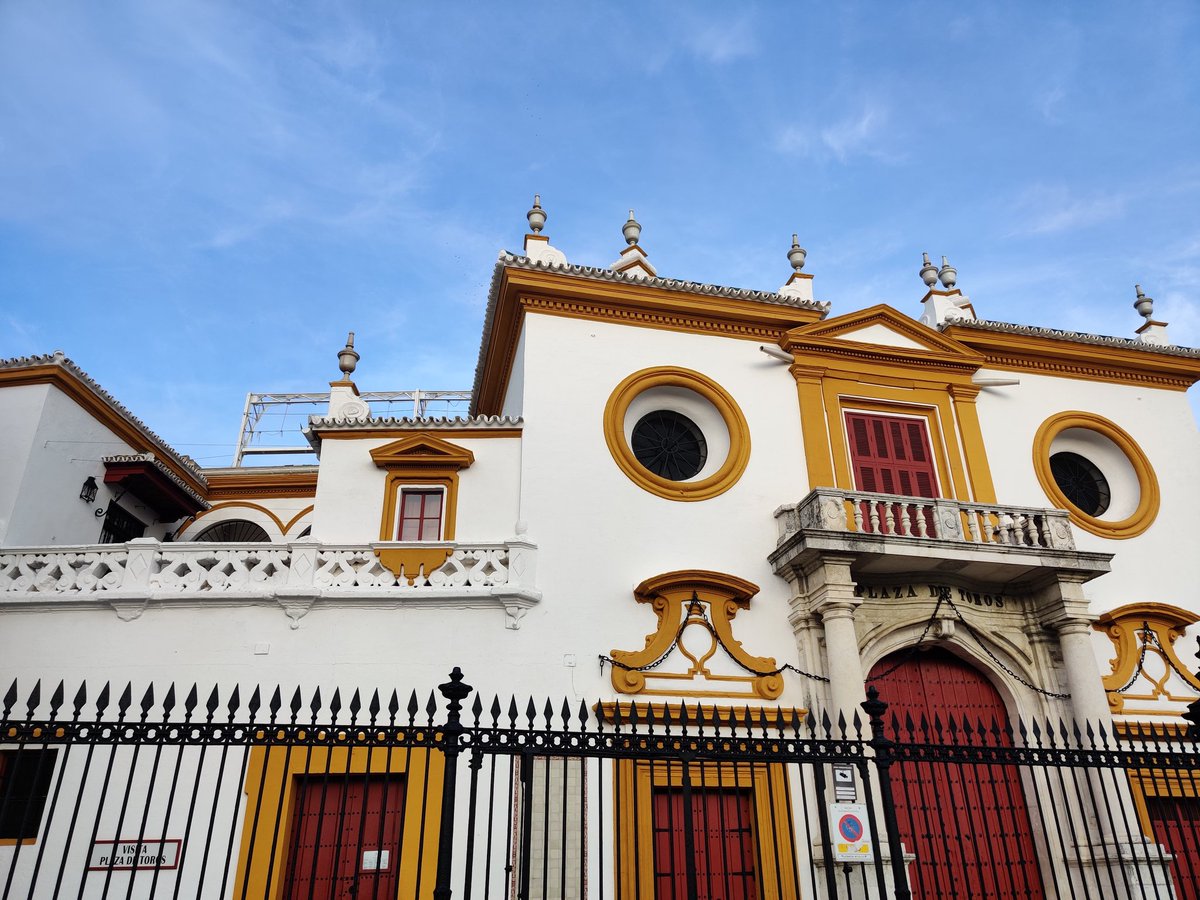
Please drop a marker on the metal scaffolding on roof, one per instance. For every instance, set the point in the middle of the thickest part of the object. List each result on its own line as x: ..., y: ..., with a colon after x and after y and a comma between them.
x: 273, y: 423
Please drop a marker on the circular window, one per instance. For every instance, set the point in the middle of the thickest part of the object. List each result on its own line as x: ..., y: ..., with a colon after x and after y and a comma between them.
x: 1082, y: 483
x: 669, y: 444
x: 676, y: 433
x: 1096, y: 471
x: 234, y: 531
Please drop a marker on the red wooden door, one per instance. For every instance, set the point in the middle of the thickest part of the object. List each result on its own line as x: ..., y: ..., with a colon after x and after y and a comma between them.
x: 345, y: 839
x: 968, y: 825
x: 891, y: 455
x: 1176, y: 823
x: 723, y: 845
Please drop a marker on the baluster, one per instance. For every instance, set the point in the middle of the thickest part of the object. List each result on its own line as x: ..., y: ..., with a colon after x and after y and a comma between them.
x: 923, y: 515
x: 901, y: 514
x: 873, y: 509
x: 1031, y: 535
x: 889, y: 518
x: 1041, y: 528
x: 858, y: 515
x: 973, y: 525
x: 1003, y: 528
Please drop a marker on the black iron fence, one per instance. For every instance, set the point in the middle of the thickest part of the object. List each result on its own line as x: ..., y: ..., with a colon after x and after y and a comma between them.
x: 191, y: 795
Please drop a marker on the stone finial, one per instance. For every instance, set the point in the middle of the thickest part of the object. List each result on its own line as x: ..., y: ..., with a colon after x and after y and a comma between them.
x: 928, y: 271
x: 797, y: 254
x: 632, y: 230
x: 1143, y: 304
x: 1152, y: 331
x: 348, y: 357
x: 947, y: 275
x: 536, y: 215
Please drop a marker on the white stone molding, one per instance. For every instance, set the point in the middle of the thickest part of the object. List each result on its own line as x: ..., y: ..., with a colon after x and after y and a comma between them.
x: 297, y: 577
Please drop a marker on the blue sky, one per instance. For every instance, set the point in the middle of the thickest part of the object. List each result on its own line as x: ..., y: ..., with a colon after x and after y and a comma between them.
x: 200, y: 199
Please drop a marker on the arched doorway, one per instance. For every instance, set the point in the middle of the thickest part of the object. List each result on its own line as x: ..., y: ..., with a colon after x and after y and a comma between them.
x: 967, y: 824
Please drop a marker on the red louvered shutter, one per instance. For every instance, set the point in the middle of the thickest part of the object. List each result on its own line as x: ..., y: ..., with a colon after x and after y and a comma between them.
x: 891, y: 455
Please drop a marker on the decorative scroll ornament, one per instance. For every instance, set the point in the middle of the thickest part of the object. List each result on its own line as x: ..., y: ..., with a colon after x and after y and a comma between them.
x: 1147, y: 677
x: 695, y: 612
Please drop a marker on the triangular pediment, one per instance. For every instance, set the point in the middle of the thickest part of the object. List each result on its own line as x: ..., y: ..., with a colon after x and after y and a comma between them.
x: 422, y: 451
x: 884, y: 330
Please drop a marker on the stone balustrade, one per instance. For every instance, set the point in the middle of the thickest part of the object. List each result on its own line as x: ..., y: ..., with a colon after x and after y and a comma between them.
x: 295, y: 575
x: 919, y: 518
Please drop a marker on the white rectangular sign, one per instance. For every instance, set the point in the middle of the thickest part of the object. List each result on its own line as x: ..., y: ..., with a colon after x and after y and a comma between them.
x: 146, y: 854
x: 850, y: 833
x: 375, y: 860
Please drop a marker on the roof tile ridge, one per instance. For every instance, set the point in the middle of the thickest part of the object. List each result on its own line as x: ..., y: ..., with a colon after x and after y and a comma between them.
x: 1065, y: 334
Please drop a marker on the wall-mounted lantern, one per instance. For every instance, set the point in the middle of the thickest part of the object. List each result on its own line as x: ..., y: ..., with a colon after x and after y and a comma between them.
x: 88, y: 492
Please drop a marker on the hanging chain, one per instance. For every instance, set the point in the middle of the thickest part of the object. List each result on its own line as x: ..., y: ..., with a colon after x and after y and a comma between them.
x: 1150, y: 636
x: 943, y: 595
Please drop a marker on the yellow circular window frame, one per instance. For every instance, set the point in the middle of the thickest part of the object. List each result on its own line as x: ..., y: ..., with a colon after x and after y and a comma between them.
x: 670, y: 376
x: 1148, y: 500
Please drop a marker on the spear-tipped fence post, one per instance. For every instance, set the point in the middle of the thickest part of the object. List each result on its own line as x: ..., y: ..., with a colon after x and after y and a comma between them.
x: 455, y: 691
x: 883, y: 758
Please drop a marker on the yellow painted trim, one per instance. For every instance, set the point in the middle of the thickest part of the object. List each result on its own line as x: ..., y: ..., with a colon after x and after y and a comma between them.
x: 232, y: 485
x: 1078, y: 359
x: 1148, y: 501
x: 633, y: 831
x: 818, y: 458
x: 670, y: 595
x: 1122, y: 626
x: 138, y: 439
x: 296, y: 518
x: 230, y: 504
x: 625, y: 303
x: 271, y: 777
x: 419, y: 459
x: 672, y: 376
x: 682, y: 713
x: 979, y: 471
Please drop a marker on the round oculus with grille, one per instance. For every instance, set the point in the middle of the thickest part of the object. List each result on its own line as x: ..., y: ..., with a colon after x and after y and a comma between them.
x: 1081, y: 482
x: 669, y: 444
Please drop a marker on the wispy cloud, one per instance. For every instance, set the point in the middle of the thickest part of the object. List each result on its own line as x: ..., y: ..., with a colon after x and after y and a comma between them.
x: 721, y: 41
x: 1051, y: 209
x: 862, y: 133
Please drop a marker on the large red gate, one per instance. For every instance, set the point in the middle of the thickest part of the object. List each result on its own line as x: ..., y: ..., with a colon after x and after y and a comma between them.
x: 967, y: 824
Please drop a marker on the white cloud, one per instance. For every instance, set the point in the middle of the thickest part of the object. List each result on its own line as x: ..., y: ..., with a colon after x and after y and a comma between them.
x: 862, y: 133
x: 721, y: 42
x: 1052, y: 209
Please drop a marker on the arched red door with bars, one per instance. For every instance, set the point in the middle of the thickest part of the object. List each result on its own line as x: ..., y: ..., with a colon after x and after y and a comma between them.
x: 968, y: 825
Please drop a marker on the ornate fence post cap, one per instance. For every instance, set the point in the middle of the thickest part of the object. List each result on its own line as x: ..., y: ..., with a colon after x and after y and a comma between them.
x: 455, y: 690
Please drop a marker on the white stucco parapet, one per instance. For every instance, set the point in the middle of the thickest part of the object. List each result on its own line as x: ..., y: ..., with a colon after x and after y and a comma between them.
x: 318, y: 424
x: 60, y: 360
x: 296, y: 576
x: 1074, y: 336
x: 162, y: 469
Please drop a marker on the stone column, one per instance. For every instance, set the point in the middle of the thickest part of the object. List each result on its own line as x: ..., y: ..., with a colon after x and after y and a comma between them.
x: 830, y: 589
x: 1063, y: 607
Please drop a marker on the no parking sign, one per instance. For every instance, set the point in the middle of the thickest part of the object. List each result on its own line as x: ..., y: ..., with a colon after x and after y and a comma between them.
x: 849, y: 832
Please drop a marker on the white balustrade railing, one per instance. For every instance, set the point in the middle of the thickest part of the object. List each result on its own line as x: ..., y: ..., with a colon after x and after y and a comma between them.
x: 145, y: 566
x: 921, y: 518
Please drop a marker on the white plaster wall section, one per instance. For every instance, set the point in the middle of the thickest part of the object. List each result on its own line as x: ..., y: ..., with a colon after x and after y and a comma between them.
x: 350, y: 490
x: 69, y: 446
x: 600, y: 534
x: 1162, y: 424
x: 21, y: 411
x: 514, y: 394
x: 881, y: 334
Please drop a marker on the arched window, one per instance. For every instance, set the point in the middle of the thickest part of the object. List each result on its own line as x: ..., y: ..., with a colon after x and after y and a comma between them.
x: 234, y: 531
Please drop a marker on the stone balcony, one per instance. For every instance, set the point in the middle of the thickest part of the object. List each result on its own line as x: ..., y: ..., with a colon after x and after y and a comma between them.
x: 891, y: 535
x: 295, y: 576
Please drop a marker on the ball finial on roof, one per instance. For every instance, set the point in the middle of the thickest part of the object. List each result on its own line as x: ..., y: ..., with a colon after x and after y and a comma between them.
x: 928, y: 271
x: 632, y: 230
x: 1143, y: 304
x: 797, y: 254
x: 948, y: 275
x: 348, y: 357
x: 536, y: 215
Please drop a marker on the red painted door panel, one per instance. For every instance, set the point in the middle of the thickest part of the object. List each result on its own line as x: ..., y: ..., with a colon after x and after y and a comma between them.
x: 723, y: 845
x: 1176, y: 823
x: 345, y: 840
x: 891, y: 455
x: 968, y: 825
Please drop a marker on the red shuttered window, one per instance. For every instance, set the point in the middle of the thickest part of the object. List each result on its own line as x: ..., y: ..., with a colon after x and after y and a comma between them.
x: 891, y: 455
x: 420, y: 515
